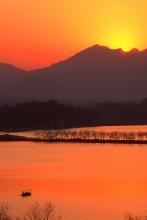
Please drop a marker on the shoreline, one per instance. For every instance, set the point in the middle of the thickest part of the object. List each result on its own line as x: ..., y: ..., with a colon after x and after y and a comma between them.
x: 73, y: 127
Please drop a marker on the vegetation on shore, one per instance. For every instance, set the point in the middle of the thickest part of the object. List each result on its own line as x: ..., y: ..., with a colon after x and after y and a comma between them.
x: 137, y: 217
x: 56, y: 115
x: 34, y: 212
x: 46, y: 211
x: 81, y: 136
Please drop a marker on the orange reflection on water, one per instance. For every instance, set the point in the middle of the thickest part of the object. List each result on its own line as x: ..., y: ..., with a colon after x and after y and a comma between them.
x: 84, y: 181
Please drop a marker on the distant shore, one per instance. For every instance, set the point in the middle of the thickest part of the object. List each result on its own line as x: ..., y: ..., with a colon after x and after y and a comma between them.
x: 53, y: 115
x: 15, y: 138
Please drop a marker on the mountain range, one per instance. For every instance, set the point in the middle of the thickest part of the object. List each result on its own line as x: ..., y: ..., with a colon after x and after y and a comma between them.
x: 96, y: 74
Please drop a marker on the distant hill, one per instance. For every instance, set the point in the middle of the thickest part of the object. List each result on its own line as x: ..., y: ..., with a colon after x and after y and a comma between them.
x: 10, y: 74
x: 10, y: 77
x: 94, y: 74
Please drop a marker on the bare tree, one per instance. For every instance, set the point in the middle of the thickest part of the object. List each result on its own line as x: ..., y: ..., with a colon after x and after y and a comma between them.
x: 131, y: 217
x: 47, y: 211
x: 34, y: 212
x: 4, y: 212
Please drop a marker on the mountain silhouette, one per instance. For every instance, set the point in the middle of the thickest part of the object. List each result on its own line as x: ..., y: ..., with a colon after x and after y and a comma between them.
x: 94, y: 74
x: 10, y: 76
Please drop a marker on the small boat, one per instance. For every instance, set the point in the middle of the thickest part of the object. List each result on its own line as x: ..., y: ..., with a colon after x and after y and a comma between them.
x: 26, y: 193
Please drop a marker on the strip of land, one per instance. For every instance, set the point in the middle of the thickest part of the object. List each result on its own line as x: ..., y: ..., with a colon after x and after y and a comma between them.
x: 11, y: 138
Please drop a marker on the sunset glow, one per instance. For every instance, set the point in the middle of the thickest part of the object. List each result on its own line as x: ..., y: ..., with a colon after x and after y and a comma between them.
x: 73, y: 109
x: 38, y: 33
x: 121, y: 40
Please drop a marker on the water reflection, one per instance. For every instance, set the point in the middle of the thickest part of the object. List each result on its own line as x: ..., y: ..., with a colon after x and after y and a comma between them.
x: 84, y: 181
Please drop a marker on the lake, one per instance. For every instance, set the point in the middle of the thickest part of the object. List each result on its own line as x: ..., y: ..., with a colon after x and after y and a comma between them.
x: 83, y: 181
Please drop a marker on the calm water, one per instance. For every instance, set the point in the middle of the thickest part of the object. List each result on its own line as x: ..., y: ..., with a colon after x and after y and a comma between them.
x: 83, y: 181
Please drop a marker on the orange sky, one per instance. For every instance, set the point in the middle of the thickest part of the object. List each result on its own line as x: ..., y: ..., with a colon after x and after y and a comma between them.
x: 36, y: 33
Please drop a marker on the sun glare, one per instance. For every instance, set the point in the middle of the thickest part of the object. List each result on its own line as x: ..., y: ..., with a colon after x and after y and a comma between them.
x: 122, y: 40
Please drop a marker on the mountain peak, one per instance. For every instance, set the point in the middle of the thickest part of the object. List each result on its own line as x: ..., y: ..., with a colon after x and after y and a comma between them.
x: 106, y: 48
x: 98, y: 47
x: 96, y: 73
x: 96, y: 51
x: 134, y: 50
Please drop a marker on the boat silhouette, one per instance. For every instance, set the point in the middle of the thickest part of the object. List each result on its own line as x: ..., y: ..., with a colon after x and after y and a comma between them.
x: 26, y: 193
